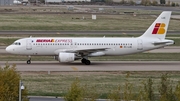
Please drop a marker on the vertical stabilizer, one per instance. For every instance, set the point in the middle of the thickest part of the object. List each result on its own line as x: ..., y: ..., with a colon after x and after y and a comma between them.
x: 159, y: 27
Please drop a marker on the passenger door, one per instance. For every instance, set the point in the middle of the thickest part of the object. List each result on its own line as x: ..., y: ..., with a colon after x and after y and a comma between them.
x: 28, y: 44
x: 139, y: 44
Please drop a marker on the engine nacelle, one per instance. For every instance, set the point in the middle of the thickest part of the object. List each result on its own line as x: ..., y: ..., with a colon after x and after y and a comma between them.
x: 65, y: 57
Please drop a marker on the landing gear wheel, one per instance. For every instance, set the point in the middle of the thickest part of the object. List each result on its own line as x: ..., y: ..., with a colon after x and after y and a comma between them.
x: 83, y: 60
x: 87, y: 62
x: 28, y: 61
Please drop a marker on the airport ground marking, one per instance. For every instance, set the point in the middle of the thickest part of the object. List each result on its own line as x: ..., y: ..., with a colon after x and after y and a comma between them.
x: 74, y: 68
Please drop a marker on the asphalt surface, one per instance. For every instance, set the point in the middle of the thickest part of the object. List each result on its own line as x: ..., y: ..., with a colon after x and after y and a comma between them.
x: 44, y: 99
x: 79, y: 32
x: 52, y: 99
x: 159, y: 8
x: 96, y: 66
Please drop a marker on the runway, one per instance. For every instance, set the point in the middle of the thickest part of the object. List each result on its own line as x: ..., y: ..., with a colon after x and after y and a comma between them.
x: 96, y: 66
x: 157, y: 8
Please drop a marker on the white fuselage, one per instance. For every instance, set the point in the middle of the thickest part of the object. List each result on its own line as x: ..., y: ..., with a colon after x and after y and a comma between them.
x: 54, y: 45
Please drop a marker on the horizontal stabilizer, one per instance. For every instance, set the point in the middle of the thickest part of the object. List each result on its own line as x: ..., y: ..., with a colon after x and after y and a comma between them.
x: 163, y: 42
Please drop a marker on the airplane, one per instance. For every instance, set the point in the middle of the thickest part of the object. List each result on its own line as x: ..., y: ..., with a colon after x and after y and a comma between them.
x: 17, y: 2
x: 69, y: 49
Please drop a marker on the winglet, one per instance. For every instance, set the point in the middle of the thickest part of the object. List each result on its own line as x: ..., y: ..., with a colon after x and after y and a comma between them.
x: 159, y: 27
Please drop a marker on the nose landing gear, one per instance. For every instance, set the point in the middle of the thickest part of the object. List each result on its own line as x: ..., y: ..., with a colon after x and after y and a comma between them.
x: 29, y: 61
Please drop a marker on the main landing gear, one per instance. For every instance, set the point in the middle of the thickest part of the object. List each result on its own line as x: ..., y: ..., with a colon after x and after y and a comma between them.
x: 29, y: 61
x: 85, y: 61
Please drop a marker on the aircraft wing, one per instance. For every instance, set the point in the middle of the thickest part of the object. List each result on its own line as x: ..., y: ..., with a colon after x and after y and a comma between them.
x: 84, y: 51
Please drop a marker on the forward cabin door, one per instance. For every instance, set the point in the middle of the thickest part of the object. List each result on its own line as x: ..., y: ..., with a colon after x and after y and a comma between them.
x: 139, y: 44
x: 28, y: 44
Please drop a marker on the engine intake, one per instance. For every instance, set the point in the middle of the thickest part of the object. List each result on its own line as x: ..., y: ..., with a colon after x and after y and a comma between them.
x: 65, y: 57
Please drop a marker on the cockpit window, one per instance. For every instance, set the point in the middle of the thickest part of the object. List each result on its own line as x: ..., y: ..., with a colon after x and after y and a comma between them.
x: 16, y: 43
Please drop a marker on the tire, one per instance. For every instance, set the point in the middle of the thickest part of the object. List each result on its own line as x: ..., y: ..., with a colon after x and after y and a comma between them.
x: 28, y: 61
x: 87, y: 62
x: 83, y: 60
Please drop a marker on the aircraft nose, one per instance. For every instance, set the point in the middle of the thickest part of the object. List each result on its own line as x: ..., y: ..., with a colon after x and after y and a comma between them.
x: 8, y: 49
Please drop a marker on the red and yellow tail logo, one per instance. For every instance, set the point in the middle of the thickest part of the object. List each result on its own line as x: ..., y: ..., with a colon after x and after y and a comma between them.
x: 159, y: 28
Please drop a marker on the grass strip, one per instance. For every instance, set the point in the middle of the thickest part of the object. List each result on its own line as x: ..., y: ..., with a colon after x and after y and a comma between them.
x: 57, y: 83
x: 75, y: 22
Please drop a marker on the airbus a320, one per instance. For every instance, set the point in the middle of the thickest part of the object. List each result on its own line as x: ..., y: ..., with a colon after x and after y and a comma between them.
x: 69, y: 49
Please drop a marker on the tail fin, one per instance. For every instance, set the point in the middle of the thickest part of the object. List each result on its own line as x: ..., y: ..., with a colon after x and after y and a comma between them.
x: 159, y: 27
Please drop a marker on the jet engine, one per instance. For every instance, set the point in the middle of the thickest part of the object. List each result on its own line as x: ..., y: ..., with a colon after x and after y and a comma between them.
x: 65, y: 57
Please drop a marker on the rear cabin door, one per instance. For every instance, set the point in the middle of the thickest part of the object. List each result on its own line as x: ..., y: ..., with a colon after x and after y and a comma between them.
x: 139, y: 44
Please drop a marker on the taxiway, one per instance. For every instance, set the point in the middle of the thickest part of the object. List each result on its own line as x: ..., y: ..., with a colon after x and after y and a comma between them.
x: 96, y: 66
